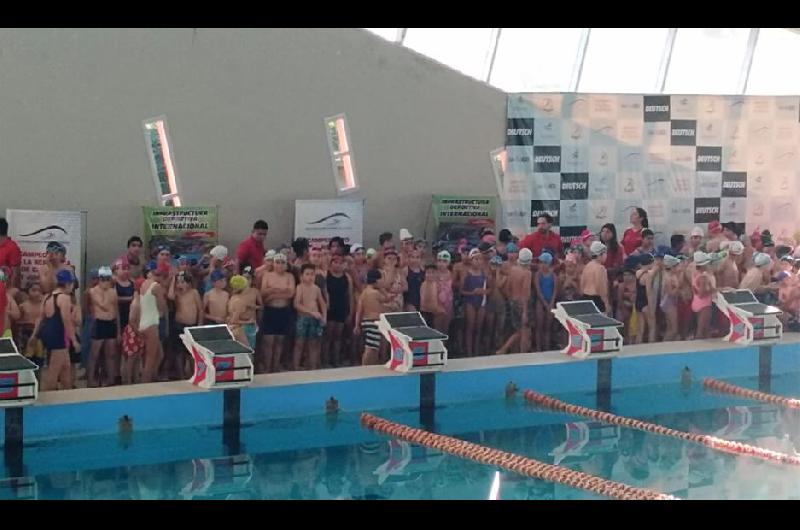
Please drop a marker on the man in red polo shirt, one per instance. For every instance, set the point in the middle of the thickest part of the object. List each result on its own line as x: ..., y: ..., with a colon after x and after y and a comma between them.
x: 10, y: 255
x: 542, y: 237
x: 251, y: 251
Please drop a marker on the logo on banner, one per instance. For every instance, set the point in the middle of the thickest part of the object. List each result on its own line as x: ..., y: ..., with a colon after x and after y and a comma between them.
x: 683, y: 132
x: 547, y: 159
x: 544, y: 207
x: 709, y: 158
x: 334, y: 220
x: 734, y: 184
x: 656, y: 108
x: 706, y: 210
x: 574, y: 186
x: 519, y: 131
x: 569, y: 234
x: 45, y: 233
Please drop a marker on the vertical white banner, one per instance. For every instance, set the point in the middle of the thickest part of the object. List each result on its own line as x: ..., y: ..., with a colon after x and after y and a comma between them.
x: 34, y: 229
x: 320, y: 220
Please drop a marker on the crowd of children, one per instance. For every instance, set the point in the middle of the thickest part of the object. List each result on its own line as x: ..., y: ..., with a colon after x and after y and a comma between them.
x: 310, y: 307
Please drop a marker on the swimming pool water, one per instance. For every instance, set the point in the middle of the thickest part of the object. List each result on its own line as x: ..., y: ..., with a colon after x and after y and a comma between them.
x: 324, y: 457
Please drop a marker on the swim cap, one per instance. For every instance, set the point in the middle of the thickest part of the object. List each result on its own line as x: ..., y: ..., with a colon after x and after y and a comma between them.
x: 597, y: 248
x: 356, y: 247
x: 646, y: 258
x: 670, y: 261
x: 217, y: 275
x: 546, y: 258
x: 238, y: 282
x: 64, y: 276
x: 219, y: 252
x: 280, y: 257
x: 152, y: 265
x: 55, y: 246
x: 701, y: 258
x: 497, y: 260
x: 511, y: 247
x: 269, y: 255
x: 662, y: 250
x: 105, y: 272
x: 370, y: 252
x: 443, y: 256
x: 405, y: 234
x: 735, y: 247
x: 525, y: 256
x: 474, y: 252
x: 760, y: 259
x: 94, y: 273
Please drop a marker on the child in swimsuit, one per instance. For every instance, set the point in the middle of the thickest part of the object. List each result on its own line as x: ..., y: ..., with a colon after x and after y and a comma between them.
x: 474, y: 294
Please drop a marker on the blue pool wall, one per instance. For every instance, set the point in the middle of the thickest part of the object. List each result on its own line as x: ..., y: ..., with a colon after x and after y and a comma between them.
x: 197, y: 408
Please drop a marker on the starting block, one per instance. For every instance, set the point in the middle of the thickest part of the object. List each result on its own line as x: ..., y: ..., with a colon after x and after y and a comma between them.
x: 220, y: 361
x: 18, y: 384
x: 751, y: 321
x: 415, y: 347
x: 589, y: 330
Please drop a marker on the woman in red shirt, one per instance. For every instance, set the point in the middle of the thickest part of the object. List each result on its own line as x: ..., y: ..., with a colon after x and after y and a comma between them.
x: 632, y: 238
x: 615, y: 256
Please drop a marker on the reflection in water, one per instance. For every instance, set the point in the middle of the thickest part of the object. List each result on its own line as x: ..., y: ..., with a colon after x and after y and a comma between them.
x: 389, y: 469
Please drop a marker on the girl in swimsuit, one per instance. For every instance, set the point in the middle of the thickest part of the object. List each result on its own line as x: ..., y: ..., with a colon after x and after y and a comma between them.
x: 152, y: 303
x: 444, y: 284
x: 474, y: 294
x: 669, y: 301
x: 56, y: 329
x: 703, y: 287
x: 546, y: 285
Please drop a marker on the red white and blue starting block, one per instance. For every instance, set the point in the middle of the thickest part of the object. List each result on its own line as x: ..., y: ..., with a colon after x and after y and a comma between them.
x: 751, y: 321
x: 18, y: 384
x: 220, y: 361
x: 415, y: 347
x: 588, y: 329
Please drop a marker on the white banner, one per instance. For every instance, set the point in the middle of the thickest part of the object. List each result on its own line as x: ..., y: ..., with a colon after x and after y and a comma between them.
x: 34, y: 229
x: 320, y: 220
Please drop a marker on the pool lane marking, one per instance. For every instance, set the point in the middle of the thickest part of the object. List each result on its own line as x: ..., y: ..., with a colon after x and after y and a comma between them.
x: 726, y: 388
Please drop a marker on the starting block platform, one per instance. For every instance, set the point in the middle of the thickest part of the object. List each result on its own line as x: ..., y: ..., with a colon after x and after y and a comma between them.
x: 589, y: 330
x: 415, y: 347
x: 220, y: 361
x: 751, y: 321
x: 18, y: 384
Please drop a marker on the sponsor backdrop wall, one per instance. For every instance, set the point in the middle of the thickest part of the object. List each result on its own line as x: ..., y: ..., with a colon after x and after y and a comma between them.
x: 460, y: 217
x: 588, y: 159
x: 318, y: 221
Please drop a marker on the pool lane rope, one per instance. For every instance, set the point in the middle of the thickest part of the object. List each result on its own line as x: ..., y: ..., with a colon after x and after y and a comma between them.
x: 512, y: 462
x: 712, y: 442
x: 726, y: 388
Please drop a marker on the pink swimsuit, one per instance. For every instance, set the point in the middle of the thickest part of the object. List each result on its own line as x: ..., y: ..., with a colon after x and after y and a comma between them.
x: 699, y: 302
x: 445, y: 294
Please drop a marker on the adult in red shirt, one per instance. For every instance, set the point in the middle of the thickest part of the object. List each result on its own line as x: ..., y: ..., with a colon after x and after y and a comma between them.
x: 10, y: 255
x: 251, y: 251
x: 632, y: 238
x: 542, y: 237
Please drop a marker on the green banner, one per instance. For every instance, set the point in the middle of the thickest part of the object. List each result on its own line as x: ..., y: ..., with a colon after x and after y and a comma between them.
x: 463, y: 209
x: 459, y: 219
x: 189, y: 231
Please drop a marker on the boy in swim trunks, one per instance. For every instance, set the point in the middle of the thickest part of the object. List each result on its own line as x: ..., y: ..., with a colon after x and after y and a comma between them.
x: 519, y: 301
x: 277, y: 293
x: 215, y: 302
x: 188, y: 313
x: 370, y: 307
x: 242, y: 312
x: 105, y: 311
x: 311, y: 315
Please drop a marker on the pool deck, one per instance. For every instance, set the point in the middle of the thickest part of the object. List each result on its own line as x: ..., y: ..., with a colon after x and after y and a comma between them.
x: 492, y: 362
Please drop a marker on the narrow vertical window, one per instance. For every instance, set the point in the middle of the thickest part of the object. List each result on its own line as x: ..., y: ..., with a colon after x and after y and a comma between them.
x: 341, y: 154
x: 159, y: 152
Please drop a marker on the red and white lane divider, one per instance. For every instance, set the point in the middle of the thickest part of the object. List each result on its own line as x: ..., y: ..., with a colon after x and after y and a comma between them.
x: 510, y: 461
x: 726, y: 388
x: 712, y: 442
